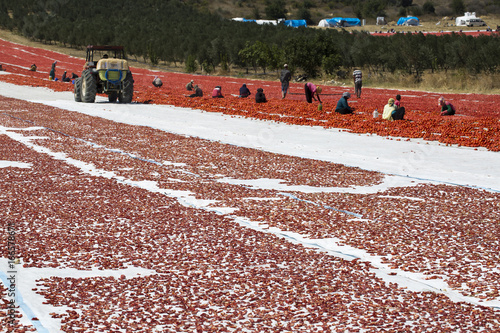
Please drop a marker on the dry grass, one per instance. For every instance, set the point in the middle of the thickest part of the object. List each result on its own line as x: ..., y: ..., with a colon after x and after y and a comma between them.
x: 457, y: 81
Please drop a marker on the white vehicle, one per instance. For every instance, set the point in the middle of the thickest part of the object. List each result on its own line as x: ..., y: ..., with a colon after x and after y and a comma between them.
x: 474, y: 22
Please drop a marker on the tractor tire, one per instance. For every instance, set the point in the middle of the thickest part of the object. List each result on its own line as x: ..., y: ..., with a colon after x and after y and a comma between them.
x: 112, y: 96
x: 127, y: 93
x: 89, y: 87
x: 78, y: 90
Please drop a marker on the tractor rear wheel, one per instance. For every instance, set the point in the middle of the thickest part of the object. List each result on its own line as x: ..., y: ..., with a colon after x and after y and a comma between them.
x: 89, y: 87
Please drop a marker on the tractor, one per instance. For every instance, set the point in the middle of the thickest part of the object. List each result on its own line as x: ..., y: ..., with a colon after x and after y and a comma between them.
x: 109, y: 75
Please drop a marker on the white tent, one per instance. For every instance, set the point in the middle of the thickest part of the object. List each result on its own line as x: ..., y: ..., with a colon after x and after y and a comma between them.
x: 381, y: 20
x: 462, y: 20
x: 324, y: 23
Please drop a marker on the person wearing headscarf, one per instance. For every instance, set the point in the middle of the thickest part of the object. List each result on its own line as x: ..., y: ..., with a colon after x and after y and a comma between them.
x: 260, y: 97
x: 52, y: 73
x: 64, y: 78
x: 391, y: 112
x: 244, y: 91
x: 312, y: 92
x: 397, y: 102
x: 447, y: 109
x: 157, y: 82
x: 217, y: 92
x: 190, y: 85
x: 197, y: 92
x: 342, y: 105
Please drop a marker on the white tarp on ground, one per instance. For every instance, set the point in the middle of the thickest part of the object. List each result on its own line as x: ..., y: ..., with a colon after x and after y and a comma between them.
x: 415, y: 158
x: 273, y: 22
x: 339, y: 22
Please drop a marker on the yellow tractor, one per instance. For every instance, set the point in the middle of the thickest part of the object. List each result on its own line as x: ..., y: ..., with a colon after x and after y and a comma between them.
x: 109, y: 75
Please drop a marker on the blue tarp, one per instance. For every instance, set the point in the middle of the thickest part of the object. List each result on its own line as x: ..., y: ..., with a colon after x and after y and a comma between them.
x: 296, y: 23
x: 343, y: 21
x: 410, y: 20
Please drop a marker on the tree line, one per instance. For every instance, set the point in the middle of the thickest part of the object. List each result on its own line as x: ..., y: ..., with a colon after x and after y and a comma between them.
x: 173, y: 32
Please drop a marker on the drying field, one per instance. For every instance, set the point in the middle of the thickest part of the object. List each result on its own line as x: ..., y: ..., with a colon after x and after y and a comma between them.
x: 476, y: 124
x: 124, y: 227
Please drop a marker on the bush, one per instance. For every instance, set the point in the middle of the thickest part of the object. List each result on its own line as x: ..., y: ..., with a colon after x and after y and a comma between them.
x: 416, y: 10
x: 458, y: 7
x: 428, y: 8
x: 191, y: 65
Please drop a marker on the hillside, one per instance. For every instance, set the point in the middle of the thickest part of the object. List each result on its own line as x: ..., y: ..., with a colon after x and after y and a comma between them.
x: 369, y: 10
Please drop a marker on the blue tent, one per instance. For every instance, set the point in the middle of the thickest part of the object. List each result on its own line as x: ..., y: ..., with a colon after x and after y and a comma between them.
x: 296, y: 23
x: 410, y: 20
x: 343, y: 22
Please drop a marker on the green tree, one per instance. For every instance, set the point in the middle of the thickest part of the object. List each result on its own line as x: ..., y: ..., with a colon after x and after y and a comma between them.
x: 428, y: 7
x: 207, y: 67
x: 405, y: 4
x: 304, y: 13
x: 277, y: 57
x: 331, y: 63
x: 256, y: 13
x: 303, y: 53
x: 205, y: 60
x: 458, y: 7
x: 191, y: 65
x: 259, y: 54
x: 218, y: 51
x: 372, y: 8
x: 264, y: 56
x: 275, y: 9
x: 152, y: 55
x: 248, y: 57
